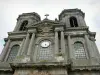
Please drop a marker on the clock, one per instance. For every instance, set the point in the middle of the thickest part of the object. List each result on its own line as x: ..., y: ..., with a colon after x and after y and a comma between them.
x: 45, y: 43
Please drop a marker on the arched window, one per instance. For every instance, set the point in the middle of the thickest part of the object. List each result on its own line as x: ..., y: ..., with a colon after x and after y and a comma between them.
x: 79, y: 50
x: 23, y: 25
x: 73, y: 22
x: 13, y: 52
x: 45, y: 51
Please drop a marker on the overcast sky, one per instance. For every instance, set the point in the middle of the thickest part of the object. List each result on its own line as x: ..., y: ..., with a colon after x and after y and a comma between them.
x: 10, y: 9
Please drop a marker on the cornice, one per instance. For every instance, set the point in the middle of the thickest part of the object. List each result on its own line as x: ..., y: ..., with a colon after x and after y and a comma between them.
x: 39, y: 65
x: 17, y: 33
x: 16, y: 37
x: 93, y: 67
x: 77, y: 28
x: 46, y: 21
x: 92, y: 33
x: 71, y: 11
x: 30, y: 14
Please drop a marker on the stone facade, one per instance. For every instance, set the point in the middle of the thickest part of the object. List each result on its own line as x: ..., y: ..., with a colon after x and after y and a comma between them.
x: 50, y: 47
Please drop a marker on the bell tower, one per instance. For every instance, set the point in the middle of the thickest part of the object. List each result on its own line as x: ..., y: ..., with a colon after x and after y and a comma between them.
x: 72, y: 18
x: 26, y: 19
x: 50, y: 47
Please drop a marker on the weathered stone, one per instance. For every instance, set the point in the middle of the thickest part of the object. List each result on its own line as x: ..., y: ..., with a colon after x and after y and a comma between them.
x: 51, y: 47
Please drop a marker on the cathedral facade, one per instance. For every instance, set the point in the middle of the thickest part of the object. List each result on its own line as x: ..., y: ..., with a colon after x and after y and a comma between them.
x: 63, y: 46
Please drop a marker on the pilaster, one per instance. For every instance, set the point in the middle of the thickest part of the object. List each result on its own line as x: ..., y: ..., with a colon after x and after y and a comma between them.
x: 89, y: 49
x: 95, y: 49
x: 5, y: 50
x: 31, y: 43
x: 71, y: 53
x: 63, y: 46
x: 57, y: 29
x: 56, y: 42
x: 34, y: 58
x: 25, y: 47
x: 62, y: 42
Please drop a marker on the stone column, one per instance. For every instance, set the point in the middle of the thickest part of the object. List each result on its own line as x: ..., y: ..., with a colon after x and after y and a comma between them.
x: 63, y: 46
x: 89, y: 49
x: 25, y: 47
x: 56, y: 42
x: 31, y: 44
x: 96, y: 50
x: 20, y: 49
x: 5, y: 50
x: 70, y: 51
x: 35, y: 54
x: 62, y: 42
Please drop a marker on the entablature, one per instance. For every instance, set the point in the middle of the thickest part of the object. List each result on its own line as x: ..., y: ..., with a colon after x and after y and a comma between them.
x: 39, y: 65
x: 93, y: 67
x: 17, y: 35
x: 77, y: 28
x: 45, y: 22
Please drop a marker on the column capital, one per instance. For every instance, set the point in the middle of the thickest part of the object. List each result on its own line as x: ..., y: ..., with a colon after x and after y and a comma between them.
x: 59, y: 29
x: 69, y: 35
x: 86, y: 36
x: 32, y: 30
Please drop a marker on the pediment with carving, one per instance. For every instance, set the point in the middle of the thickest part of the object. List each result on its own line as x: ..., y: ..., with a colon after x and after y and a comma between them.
x: 45, y: 26
x: 45, y: 29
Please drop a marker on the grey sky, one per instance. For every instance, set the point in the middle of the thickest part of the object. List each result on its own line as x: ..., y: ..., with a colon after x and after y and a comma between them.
x: 10, y: 9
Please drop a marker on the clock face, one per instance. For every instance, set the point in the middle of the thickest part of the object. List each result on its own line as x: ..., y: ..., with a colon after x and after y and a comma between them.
x: 45, y: 43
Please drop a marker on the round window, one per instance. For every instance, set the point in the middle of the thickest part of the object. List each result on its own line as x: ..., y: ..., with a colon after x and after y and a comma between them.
x: 45, y: 43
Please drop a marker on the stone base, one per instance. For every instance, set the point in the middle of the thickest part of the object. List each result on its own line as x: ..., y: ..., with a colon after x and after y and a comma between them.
x: 22, y: 59
x: 55, y: 71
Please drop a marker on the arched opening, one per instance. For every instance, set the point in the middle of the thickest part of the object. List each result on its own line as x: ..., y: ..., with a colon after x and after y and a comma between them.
x: 23, y: 25
x: 79, y: 50
x: 73, y: 22
x: 13, y: 52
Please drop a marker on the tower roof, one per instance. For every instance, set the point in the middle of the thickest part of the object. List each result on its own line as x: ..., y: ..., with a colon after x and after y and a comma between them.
x: 71, y: 11
x: 34, y: 14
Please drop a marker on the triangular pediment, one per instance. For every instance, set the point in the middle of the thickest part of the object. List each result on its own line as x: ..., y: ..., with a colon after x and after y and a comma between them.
x: 46, y: 22
x: 46, y: 25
